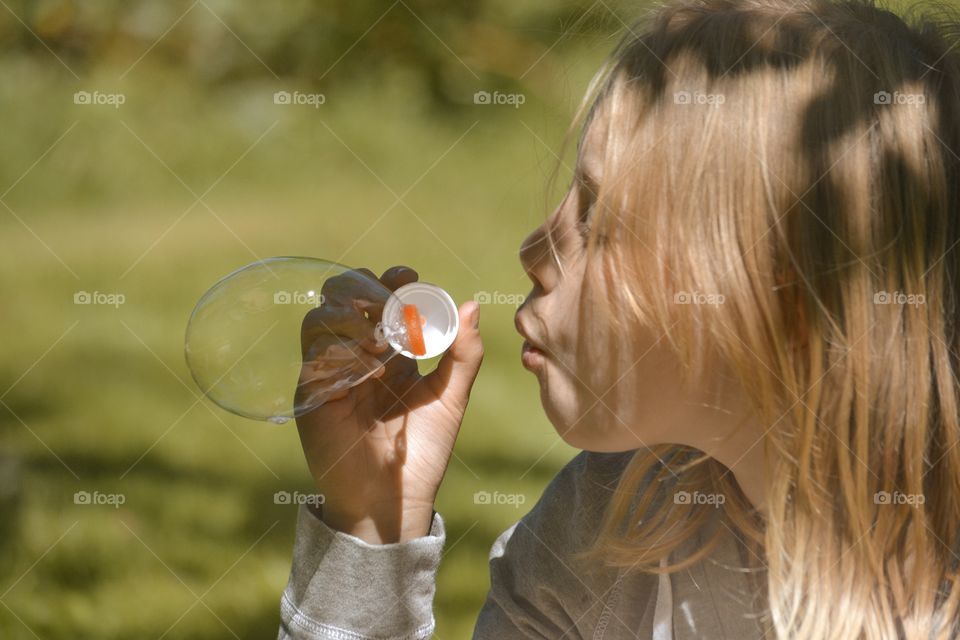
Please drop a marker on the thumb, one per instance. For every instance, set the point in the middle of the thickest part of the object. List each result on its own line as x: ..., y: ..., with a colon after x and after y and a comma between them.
x: 453, y: 378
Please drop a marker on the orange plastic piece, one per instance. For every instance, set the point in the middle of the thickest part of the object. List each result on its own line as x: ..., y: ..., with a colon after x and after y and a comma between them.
x: 414, y: 323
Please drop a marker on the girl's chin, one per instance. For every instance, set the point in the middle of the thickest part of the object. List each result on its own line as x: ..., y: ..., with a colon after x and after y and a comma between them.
x: 573, y: 431
x: 585, y: 440
x: 593, y: 431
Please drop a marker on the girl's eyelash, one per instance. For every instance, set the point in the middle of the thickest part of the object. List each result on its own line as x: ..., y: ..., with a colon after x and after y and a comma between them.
x: 587, y: 200
x: 583, y: 223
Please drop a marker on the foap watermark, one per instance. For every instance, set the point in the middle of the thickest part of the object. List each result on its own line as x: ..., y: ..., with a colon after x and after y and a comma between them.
x: 697, y: 297
x: 299, y: 98
x: 512, y: 499
x: 497, y: 297
x: 898, y: 498
x: 99, y: 297
x: 698, y: 97
x: 899, y: 298
x: 97, y: 98
x: 297, y: 498
x: 897, y: 97
x: 96, y: 498
x: 512, y: 99
x: 696, y: 497
x: 311, y: 298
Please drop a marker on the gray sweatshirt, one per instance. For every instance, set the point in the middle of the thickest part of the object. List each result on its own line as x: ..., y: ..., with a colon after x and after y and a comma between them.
x: 342, y: 588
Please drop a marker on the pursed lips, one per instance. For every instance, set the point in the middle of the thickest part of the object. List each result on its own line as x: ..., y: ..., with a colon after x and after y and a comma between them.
x: 531, y: 355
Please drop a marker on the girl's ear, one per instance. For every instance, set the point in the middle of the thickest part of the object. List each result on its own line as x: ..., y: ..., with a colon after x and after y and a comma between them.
x: 787, y: 286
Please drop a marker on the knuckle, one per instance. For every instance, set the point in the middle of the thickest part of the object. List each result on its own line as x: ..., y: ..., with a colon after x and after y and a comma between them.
x: 479, y: 352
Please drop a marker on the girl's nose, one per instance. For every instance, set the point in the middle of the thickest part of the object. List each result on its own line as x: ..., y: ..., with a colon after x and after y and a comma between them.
x: 533, y: 250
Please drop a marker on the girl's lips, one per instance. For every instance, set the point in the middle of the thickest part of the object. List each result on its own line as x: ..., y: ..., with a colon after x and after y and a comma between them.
x: 531, y: 357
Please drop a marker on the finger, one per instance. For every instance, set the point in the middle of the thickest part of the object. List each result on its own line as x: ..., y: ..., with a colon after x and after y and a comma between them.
x: 338, y: 357
x: 339, y: 395
x: 372, y: 311
x: 366, y: 272
x: 314, y: 397
x: 323, y: 377
x: 329, y: 321
x: 314, y: 390
x: 350, y: 285
x: 395, y: 277
x: 456, y: 372
x: 328, y: 368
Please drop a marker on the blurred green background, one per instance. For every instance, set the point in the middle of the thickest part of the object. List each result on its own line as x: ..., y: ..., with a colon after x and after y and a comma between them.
x: 143, y: 154
x: 196, y: 172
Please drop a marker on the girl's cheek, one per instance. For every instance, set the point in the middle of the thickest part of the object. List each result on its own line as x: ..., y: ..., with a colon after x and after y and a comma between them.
x: 563, y: 316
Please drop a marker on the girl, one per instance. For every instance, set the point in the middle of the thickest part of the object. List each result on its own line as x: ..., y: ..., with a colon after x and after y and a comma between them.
x: 745, y: 313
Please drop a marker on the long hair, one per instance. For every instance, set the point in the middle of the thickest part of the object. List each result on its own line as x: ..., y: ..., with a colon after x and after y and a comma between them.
x: 780, y: 190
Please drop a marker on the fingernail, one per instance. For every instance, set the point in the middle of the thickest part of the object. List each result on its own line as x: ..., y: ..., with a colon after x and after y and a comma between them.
x: 475, y: 315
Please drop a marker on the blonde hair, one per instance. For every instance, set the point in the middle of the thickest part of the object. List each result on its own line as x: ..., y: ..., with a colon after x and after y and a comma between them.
x: 800, y: 159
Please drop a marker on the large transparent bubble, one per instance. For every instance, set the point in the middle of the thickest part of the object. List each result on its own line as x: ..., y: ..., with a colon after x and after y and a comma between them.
x: 277, y: 338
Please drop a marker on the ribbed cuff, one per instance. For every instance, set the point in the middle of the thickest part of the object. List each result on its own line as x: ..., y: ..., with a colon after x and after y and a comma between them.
x: 343, y: 588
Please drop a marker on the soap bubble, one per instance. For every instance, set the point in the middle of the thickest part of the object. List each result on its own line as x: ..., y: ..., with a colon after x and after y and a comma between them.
x: 278, y: 338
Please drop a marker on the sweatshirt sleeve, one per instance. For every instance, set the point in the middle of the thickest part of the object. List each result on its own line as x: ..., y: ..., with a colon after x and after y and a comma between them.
x: 342, y: 588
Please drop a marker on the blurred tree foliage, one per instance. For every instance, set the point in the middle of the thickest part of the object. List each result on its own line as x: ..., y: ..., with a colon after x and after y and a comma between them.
x: 450, y: 48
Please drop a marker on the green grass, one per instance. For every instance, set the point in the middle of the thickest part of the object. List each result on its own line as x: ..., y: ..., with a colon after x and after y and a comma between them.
x: 99, y: 399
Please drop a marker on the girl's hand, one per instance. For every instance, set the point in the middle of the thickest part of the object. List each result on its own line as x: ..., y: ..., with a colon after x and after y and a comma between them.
x: 378, y: 451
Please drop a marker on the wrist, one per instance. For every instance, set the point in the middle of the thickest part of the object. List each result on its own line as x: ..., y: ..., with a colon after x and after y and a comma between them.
x: 407, y: 524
